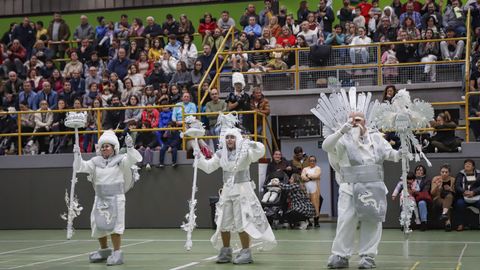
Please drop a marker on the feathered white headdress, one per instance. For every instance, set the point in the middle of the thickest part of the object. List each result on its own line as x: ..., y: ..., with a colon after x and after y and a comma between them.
x: 334, y: 110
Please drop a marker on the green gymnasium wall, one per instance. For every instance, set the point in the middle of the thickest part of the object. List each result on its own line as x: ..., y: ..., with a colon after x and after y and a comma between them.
x: 194, y: 12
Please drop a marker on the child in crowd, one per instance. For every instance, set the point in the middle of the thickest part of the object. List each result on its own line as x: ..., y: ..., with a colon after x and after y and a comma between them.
x: 413, y: 186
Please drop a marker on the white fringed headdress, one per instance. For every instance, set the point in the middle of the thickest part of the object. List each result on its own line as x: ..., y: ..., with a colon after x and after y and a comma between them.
x: 108, y: 137
x: 335, y: 109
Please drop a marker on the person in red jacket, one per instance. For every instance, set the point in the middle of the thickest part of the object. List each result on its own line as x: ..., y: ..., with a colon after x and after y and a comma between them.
x: 207, y: 25
x: 16, y: 56
x: 151, y: 115
x: 286, y: 38
x: 417, y: 6
x: 364, y: 9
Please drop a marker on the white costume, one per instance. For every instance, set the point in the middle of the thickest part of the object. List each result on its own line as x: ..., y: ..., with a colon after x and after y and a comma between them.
x: 238, y: 209
x: 111, y: 179
x: 273, y: 191
x: 358, y: 164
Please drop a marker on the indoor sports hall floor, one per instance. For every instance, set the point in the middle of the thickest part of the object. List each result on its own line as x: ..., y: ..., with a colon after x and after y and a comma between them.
x: 163, y: 249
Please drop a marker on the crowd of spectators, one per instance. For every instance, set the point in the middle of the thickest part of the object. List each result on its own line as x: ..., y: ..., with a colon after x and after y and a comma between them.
x: 159, y: 64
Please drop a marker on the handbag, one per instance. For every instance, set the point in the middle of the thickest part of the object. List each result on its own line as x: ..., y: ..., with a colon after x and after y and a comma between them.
x: 423, y: 196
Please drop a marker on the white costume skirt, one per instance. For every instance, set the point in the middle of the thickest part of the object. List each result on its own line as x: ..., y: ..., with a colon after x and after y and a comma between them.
x: 239, y: 210
x: 311, y: 187
x: 118, y: 227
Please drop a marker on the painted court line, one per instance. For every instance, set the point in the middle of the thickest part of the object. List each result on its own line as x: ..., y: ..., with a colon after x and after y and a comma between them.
x: 66, y: 258
x: 415, y: 266
x: 459, y: 262
x: 30, y: 248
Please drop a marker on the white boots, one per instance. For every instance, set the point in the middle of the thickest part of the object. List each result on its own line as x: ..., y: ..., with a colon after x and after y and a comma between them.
x: 225, y: 256
x: 112, y: 257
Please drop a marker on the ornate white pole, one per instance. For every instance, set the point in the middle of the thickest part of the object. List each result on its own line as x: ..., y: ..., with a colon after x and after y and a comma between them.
x: 73, y: 120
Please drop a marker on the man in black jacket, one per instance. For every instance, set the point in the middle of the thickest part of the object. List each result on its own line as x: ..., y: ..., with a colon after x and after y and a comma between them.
x: 467, y: 191
x: 114, y: 118
x: 26, y: 35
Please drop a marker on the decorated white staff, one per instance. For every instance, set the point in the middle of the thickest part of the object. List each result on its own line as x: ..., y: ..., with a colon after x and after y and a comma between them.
x: 194, y: 130
x: 73, y: 120
x: 403, y: 116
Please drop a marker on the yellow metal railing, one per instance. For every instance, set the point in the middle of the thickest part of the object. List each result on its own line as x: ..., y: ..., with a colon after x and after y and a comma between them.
x: 469, y: 118
x: 98, y: 130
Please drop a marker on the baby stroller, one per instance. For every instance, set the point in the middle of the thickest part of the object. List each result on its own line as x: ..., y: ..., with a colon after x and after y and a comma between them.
x: 275, y: 206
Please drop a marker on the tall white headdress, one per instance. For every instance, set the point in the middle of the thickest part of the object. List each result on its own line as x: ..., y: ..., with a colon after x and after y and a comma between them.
x: 335, y: 109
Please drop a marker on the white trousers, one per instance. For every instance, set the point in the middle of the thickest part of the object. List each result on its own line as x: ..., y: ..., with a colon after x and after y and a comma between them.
x: 370, y: 232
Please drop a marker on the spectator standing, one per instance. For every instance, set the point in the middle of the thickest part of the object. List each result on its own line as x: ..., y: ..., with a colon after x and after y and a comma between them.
x: 253, y: 30
x: 84, y: 30
x: 454, y: 17
x: 152, y: 30
x: 84, y: 51
x: 325, y: 17
x: 345, y: 14
x: 411, y: 13
x: 41, y: 32
x: 58, y: 33
x: 245, y: 18
x: 225, y: 22
x: 26, y: 35
x: 429, y: 52
x: 173, y: 46
x: 260, y: 104
x: 214, y: 105
x: 303, y: 11
x: 467, y: 191
x: 7, y: 36
x: 266, y: 14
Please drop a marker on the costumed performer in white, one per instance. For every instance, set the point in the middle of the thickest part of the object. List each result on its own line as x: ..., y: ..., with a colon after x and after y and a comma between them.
x: 357, y: 155
x: 238, y: 209
x: 112, y: 175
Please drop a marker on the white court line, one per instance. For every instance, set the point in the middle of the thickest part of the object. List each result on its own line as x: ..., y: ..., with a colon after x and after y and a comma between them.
x: 459, y: 262
x: 68, y: 257
x: 206, y: 259
x: 30, y: 248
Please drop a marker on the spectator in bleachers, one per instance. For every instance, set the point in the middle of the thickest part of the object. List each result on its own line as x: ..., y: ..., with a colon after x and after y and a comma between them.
x: 91, y: 95
x: 359, y: 20
x: 310, y: 36
x: 249, y: 11
x: 326, y: 17
x: 173, y: 46
x: 25, y: 34
x: 282, y: 16
x: 68, y: 95
x: 276, y: 63
x: 425, y: 5
x: 197, y: 74
x: 109, y: 36
x: 415, y: 5
x: 27, y: 120
x: 409, y: 27
x: 136, y: 29
x: 172, y: 142
x: 40, y: 31
x: 225, y: 22
x: 145, y: 66
x: 445, y: 141
x: 41, y: 51
x: 170, y: 26
x: 452, y: 49
x: 243, y: 38
x: 207, y: 57
x: 148, y: 96
x: 189, y: 107
x: 292, y: 25
x: 385, y: 31
x: 92, y: 77
x: 214, y: 105
x: 351, y: 32
x: 345, y: 14
x: 56, y: 81
x: 467, y: 191
x: 58, y: 32
x: 152, y: 30
x: 431, y: 12
x: 114, y: 118
x: 114, y: 79
x: 74, y: 65
x: 312, y: 23
x: 28, y: 96
x: 120, y: 64
x: 375, y: 13
x: 122, y: 36
x: 155, y: 52
x: 136, y: 77
x: 365, y: 9
x: 181, y: 76
x: 274, y: 27
x: 429, y: 52
x: 91, y: 139
x: 388, y: 12
x: 431, y: 25
x: 303, y: 11
x: 397, y: 7
x: 257, y: 62
x: 134, y: 50
x: 214, y: 40
x: 422, y: 196
x: 35, y: 80
x: 253, y: 30
x: 129, y: 91
x: 145, y: 143
x: 58, y: 124
x: 238, y: 100
x: 169, y: 65
x: 7, y: 36
x: 185, y: 26
x: 43, y: 123
x: 259, y: 103
x: 336, y: 37
x: 390, y: 74
x: 150, y: 115
x: 156, y: 77
x: 406, y: 52
x: 266, y: 14
x: 268, y: 40
x: 123, y: 22
x: 13, y: 84
x: 411, y: 13
x: 454, y: 17
x: 443, y: 194
x: 96, y: 63
x: 78, y: 83
x: 84, y: 30
x: 47, y: 69
x: 207, y: 25
x: 286, y: 38
x: 85, y: 51
x: 16, y: 56
x: 360, y: 39
x: 47, y: 94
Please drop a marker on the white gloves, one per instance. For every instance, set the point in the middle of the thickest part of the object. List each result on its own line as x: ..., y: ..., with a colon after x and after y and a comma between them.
x: 346, y: 128
x: 128, y: 141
